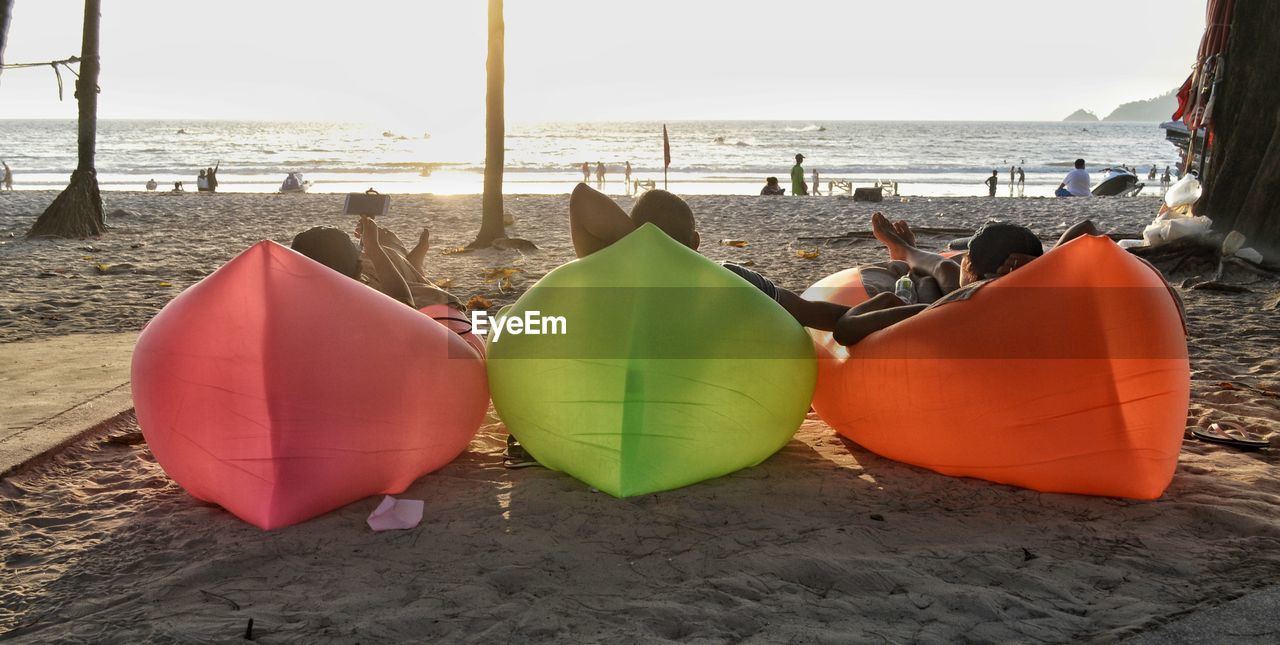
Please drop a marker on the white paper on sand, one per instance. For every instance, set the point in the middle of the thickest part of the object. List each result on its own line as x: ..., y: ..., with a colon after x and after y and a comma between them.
x: 395, y: 513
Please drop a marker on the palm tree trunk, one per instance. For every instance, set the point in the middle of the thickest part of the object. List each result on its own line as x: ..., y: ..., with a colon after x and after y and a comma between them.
x: 77, y: 211
x: 491, y: 224
x: 1242, y: 183
x: 6, y: 11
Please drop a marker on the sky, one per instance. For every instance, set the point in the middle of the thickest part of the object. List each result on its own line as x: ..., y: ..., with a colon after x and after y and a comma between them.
x: 420, y: 64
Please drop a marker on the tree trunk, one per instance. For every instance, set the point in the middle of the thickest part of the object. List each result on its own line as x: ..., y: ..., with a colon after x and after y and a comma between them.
x: 77, y: 211
x: 1242, y: 181
x: 491, y: 224
x: 6, y: 12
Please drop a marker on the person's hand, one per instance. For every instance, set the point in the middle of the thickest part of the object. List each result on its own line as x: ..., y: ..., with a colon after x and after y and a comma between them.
x: 1014, y: 261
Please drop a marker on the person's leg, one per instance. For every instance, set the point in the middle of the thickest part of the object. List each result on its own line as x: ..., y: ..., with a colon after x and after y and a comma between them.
x: 1062, y: 192
x: 943, y: 270
x: 595, y: 221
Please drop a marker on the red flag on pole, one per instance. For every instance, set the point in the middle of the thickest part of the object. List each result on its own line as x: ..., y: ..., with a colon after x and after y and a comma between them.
x: 666, y: 155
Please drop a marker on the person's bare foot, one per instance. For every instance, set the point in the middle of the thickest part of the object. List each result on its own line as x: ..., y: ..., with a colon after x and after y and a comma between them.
x: 884, y: 231
x: 418, y: 256
x: 903, y: 229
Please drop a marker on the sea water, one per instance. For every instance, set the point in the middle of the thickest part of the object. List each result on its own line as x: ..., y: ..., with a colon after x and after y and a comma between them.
x: 707, y: 157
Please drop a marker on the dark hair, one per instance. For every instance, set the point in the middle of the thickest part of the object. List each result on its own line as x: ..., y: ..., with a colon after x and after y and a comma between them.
x: 331, y: 247
x: 996, y: 241
x: 1079, y: 163
x: 667, y: 212
x: 771, y: 180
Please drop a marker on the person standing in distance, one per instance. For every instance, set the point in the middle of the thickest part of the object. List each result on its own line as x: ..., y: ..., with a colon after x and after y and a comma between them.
x: 798, y: 187
x: 992, y: 182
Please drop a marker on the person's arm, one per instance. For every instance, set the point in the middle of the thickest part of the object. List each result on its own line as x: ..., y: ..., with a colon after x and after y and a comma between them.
x: 393, y: 284
x: 880, y: 312
x: 595, y: 221
x: 814, y: 314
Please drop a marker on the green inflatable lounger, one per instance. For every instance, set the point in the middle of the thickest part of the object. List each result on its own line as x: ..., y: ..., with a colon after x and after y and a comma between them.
x: 654, y: 368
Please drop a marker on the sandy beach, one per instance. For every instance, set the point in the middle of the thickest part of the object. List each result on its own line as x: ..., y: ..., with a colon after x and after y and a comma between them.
x: 823, y: 542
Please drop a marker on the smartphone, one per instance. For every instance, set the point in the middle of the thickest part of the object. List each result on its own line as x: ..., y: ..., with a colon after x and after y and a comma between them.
x: 368, y: 204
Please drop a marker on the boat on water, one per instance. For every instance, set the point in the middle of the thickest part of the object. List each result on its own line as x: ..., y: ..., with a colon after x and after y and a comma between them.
x: 294, y: 183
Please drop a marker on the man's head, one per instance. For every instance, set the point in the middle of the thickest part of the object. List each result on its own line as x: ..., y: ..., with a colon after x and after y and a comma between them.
x: 799, y: 158
x: 992, y: 245
x: 669, y: 213
x: 772, y: 181
x: 331, y: 247
x: 1080, y: 164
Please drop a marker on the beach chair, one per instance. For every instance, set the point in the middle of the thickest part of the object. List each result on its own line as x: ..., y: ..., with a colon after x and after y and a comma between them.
x: 843, y: 184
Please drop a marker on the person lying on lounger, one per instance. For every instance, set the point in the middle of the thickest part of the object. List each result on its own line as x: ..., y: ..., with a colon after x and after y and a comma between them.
x: 595, y: 222
x: 995, y: 250
x: 380, y: 261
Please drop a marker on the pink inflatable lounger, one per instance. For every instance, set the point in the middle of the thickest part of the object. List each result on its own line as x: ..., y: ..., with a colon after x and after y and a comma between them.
x: 280, y: 389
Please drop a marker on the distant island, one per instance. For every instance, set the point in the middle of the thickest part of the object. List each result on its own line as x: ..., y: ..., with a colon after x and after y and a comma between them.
x: 1158, y: 109
x: 1154, y: 110
x: 1081, y: 115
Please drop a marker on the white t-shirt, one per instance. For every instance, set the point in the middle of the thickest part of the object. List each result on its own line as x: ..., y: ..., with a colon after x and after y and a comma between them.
x: 1077, y: 182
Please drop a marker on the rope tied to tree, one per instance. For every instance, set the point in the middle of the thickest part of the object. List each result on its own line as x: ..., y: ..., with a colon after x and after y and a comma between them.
x: 55, y: 64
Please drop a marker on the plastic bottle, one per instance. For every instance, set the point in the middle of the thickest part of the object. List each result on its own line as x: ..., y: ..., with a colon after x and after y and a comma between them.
x: 904, y: 288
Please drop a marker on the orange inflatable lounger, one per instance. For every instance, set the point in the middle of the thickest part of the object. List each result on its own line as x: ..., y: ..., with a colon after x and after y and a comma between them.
x: 1069, y: 375
x: 280, y: 390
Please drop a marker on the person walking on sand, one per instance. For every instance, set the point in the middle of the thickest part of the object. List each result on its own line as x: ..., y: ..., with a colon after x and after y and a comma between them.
x: 202, y: 182
x: 798, y: 187
x: 816, y: 190
x: 211, y: 176
x: 626, y: 173
x: 1022, y: 180
x: 586, y: 172
x: 8, y: 176
x: 992, y: 182
x: 600, y: 175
